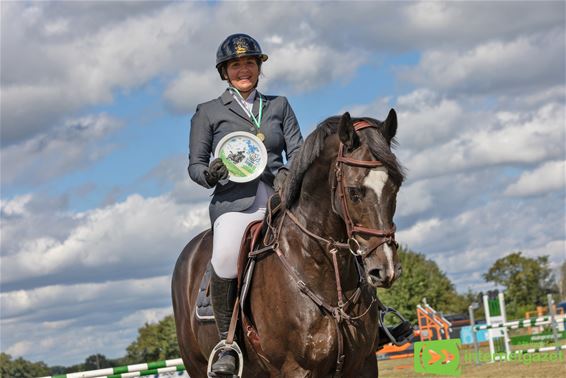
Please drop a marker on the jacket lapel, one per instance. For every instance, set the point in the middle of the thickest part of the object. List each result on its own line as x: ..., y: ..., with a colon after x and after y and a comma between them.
x: 256, y: 104
x: 231, y: 104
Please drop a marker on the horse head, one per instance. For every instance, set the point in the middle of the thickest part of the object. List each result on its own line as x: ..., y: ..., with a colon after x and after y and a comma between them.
x: 366, y: 179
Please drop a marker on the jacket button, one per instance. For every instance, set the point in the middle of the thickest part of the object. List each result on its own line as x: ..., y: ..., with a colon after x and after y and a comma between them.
x: 252, y: 129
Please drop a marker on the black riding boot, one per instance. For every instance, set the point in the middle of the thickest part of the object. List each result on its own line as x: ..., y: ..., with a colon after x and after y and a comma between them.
x: 223, y: 296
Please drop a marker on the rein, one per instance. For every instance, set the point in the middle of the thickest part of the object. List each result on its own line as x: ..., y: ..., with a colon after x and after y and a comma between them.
x: 338, y: 312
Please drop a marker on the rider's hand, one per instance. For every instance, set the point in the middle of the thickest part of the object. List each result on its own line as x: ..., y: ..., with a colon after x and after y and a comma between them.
x: 216, y: 171
x: 280, y: 179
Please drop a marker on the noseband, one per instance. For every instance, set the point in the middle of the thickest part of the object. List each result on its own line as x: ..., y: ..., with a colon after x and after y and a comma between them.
x: 382, y: 236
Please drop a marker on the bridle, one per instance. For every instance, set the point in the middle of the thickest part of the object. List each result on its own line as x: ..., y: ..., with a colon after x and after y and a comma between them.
x: 339, y: 185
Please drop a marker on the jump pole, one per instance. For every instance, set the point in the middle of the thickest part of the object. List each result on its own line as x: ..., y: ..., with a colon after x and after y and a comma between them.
x: 539, y: 350
x: 494, y: 306
x: 142, y: 373
x: 136, y: 369
x: 543, y: 320
x: 553, y: 317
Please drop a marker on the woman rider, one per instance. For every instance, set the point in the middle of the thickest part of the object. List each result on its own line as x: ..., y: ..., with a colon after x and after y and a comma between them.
x: 234, y: 205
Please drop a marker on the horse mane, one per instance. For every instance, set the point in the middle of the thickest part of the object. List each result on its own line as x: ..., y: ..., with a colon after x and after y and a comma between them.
x: 314, y: 145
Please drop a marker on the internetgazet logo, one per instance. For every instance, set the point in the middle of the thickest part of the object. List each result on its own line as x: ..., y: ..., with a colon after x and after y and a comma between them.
x: 440, y: 357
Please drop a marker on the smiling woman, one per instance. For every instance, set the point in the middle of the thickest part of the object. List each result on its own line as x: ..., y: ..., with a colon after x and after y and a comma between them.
x: 243, y: 74
x: 269, y: 120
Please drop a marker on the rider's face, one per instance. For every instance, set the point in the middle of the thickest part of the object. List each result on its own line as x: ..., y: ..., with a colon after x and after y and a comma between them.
x: 243, y: 74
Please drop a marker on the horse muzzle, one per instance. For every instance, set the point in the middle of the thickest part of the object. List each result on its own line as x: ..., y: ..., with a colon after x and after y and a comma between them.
x: 384, y: 267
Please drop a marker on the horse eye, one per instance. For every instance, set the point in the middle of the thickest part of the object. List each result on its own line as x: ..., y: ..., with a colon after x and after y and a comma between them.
x: 355, y: 193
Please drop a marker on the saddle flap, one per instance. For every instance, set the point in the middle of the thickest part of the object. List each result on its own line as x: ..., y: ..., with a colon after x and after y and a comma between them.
x: 249, y: 240
x: 203, y: 306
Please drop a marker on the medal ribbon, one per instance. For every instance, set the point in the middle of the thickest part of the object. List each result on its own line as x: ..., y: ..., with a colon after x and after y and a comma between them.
x: 240, y: 100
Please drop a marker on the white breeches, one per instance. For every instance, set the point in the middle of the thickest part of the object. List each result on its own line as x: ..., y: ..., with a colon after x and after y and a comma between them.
x: 229, y: 229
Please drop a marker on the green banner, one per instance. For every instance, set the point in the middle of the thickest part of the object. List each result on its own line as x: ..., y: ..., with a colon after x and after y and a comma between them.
x: 546, y: 337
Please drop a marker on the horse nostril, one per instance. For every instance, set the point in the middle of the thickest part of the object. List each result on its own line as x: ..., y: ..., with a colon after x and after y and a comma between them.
x: 376, y: 273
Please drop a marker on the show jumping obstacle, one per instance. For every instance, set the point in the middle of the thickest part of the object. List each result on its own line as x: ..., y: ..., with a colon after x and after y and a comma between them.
x: 136, y: 370
x: 432, y: 324
x: 543, y: 320
x: 497, y: 326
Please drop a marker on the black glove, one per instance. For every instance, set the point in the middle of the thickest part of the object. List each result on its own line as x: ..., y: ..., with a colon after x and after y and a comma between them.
x: 216, y: 171
x: 280, y: 178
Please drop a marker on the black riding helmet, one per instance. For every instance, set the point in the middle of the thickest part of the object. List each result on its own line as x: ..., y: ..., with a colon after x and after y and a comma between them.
x: 237, y: 46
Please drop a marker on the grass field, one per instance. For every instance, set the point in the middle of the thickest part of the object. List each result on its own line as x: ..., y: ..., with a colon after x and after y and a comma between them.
x: 510, y: 369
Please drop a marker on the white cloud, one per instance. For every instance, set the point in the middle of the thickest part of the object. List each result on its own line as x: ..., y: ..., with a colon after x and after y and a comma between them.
x: 413, y: 199
x: 144, y: 234
x: 524, y: 138
x: 47, y: 155
x: 15, y: 206
x: 426, y: 119
x: 85, y: 69
x: 419, y: 232
x: 470, y: 241
x: 57, y: 301
x: 182, y: 189
x: 313, y: 65
x: 555, y: 249
x: 190, y: 88
x: 99, y: 333
x: 548, y: 177
x: 494, y: 66
x: 121, y: 46
x: 57, y: 27
x: 20, y: 348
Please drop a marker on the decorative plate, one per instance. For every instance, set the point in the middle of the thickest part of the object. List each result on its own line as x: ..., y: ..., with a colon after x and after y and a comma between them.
x: 243, y: 154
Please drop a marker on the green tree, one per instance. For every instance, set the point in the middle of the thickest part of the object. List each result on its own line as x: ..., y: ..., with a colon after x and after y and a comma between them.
x: 20, y: 368
x: 155, y: 342
x: 96, y: 361
x: 422, y: 278
x: 527, y: 281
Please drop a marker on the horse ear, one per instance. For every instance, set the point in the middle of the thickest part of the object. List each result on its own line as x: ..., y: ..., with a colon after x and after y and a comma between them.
x: 390, y: 125
x: 346, y: 132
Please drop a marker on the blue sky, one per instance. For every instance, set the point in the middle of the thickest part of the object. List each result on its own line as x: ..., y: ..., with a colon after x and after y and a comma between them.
x: 96, y: 100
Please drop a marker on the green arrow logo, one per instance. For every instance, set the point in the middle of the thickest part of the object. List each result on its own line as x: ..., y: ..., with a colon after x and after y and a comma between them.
x: 441, y: 357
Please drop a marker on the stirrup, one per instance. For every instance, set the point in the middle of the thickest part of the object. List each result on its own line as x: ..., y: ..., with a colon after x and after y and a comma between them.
x: 220, y: 347
x: 402, y: 333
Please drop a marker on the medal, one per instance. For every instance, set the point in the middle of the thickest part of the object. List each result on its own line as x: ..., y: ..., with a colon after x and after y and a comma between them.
x: 256, y: 121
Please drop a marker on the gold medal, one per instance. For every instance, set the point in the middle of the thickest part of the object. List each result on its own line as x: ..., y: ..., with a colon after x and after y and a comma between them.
x: 261, y: 136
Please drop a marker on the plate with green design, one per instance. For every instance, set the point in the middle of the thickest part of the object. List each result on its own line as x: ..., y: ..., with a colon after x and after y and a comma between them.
x: 243, y: 154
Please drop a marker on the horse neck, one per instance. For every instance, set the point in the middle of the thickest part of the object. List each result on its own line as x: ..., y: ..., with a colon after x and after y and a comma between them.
x: 314, y: 211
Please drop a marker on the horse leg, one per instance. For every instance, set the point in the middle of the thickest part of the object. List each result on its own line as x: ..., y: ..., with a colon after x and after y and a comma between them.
x: 368, y: 370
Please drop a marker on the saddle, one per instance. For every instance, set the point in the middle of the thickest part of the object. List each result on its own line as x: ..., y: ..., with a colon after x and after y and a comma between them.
x: 255, y: 231
x: 204, y: 305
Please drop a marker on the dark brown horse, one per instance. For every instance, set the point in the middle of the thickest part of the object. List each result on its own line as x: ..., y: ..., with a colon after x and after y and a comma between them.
x: 313, y: 300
